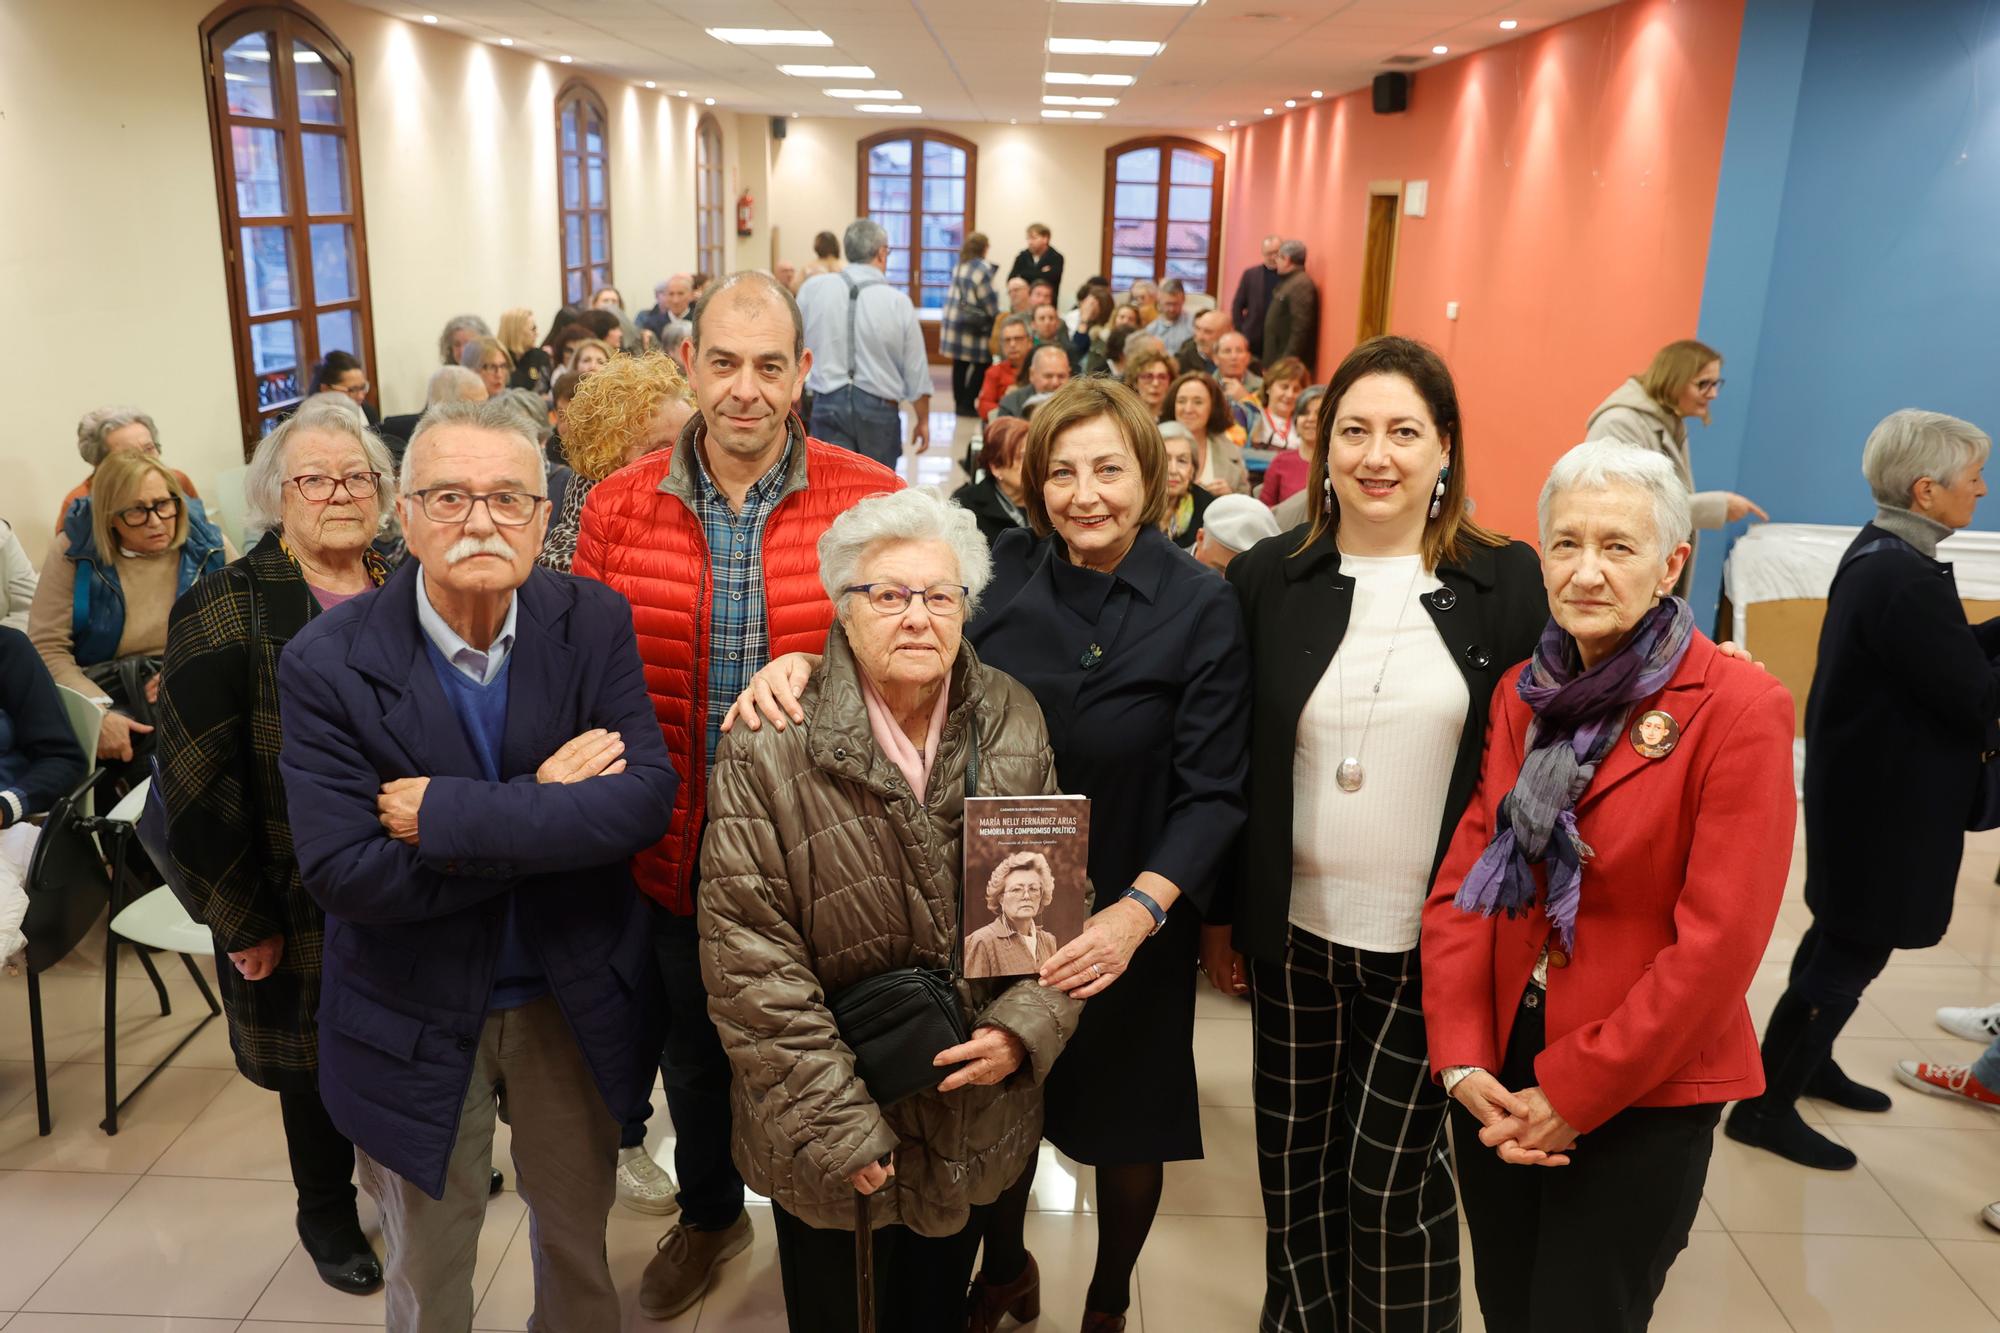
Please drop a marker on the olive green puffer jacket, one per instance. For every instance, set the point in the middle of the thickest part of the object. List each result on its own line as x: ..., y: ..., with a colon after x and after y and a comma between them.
x: 820, y: 868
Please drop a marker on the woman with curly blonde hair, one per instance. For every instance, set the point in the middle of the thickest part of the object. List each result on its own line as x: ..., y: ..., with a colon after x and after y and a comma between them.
x: 630, y: 408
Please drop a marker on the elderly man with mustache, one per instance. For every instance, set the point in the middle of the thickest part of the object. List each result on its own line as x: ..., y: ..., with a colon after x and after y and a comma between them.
x: 470, y: 761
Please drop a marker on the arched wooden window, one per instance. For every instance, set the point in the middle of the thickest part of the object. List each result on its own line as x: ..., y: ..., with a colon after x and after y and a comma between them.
x: 921, y: 186
x: 585, y: 163
x: 1163, y: 214
x: 288, y: 176
x: 708, y: 219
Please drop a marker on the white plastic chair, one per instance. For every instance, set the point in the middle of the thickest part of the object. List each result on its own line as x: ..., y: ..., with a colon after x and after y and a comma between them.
x: 153, y: 920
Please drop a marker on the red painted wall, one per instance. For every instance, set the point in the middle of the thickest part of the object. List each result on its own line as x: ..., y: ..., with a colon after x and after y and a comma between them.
x: 1572, y: 183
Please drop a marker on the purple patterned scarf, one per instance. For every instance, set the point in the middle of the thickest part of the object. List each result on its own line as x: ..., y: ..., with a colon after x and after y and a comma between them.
x: 1579, y: 716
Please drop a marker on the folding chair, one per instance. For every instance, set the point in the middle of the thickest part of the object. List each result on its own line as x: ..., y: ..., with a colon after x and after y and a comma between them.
x: 148, y: 918
x: 68, y: 887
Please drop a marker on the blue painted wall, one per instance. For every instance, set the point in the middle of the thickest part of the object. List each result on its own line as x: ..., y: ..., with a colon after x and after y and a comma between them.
x: 1857, y: 270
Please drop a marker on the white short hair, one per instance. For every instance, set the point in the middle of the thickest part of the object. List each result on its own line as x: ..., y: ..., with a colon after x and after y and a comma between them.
x: 99, y: 422
x: 452, y: 384
x: 1908, y: 445
x: 1601, y: 464
x: 903, y: 516
x: 264, y: 481
x: 496, y: 415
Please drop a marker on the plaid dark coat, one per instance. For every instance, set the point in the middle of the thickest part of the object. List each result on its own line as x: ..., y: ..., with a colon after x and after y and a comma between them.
x: 226, y: 820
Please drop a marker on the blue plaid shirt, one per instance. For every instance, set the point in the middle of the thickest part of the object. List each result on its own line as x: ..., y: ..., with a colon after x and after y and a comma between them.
x: 738, y: 637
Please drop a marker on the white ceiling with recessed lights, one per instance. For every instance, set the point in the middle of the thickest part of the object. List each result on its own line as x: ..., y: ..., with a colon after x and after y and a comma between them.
x: 991, y: 59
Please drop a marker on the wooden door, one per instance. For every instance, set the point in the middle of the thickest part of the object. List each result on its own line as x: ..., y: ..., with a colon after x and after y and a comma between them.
x: 1378, y: 266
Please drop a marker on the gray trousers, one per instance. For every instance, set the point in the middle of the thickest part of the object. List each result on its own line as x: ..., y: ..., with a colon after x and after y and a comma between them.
x: 529, y: 1069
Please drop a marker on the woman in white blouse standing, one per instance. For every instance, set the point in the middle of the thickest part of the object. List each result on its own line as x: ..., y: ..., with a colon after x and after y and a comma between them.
x: 1376, y: 644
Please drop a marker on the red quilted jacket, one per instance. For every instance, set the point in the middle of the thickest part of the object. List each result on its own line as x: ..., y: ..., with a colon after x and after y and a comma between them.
x: 641, y: 536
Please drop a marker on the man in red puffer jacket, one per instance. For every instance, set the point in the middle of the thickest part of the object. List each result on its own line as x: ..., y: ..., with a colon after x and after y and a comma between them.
x: 714, y: 542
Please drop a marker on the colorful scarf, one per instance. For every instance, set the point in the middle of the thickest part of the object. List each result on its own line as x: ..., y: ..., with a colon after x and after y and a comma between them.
x: 1579, y: 716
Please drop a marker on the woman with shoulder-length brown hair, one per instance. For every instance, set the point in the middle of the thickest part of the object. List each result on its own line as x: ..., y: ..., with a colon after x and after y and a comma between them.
x: 1135, y: 653
x: 1376, y: 643
x: 1195, y: 399
x: 1651, y: 410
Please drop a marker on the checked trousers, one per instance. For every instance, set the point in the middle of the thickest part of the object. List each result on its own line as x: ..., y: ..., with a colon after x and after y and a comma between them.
x: 1360, y: 1207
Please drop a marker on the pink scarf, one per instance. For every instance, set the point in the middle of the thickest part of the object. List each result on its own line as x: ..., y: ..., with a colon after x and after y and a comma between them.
x: 915, y: 764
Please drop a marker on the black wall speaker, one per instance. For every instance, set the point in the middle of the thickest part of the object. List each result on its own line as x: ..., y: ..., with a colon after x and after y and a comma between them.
x: 1392, y: 94
x: 777, y: 127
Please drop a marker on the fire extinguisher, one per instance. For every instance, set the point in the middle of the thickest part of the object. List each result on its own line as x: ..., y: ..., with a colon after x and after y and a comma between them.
x: 743, y: 207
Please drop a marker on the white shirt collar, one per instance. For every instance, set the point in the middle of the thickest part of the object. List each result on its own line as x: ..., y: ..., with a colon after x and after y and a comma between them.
x: 478, y: 665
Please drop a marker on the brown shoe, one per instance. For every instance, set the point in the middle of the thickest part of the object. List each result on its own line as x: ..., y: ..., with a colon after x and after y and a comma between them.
x: 1096, y: 1321
x: 678, y: 1274
x: 988, y: 1301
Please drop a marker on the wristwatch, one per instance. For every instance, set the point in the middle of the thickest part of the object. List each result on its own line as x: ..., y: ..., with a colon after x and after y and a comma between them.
x: 1153, y: 909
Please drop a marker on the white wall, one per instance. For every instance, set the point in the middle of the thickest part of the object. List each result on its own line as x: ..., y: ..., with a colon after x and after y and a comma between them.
x: 1052, y: 174
x: 109, y: 118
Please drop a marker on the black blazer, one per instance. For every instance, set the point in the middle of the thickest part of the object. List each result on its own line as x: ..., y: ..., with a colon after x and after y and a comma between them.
x: 1901, y: 698
x: 1203, y: 498
x: 1489, y: 613
x: 982, y: 499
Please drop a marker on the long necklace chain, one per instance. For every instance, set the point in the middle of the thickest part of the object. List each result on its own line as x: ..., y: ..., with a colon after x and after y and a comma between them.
x: 1349, y: 775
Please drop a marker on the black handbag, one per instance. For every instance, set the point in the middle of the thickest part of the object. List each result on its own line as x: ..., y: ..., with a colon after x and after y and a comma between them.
x: 897, y: 1022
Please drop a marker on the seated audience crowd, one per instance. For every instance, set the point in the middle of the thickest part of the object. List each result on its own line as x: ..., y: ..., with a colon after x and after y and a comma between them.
x: 609, y: 718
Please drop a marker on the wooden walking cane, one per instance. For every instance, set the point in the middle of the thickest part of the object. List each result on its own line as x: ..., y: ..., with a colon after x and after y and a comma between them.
x: 864, y: 1267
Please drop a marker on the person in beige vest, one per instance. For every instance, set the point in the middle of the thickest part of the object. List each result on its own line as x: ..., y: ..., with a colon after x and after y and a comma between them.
x: 1651, y: 411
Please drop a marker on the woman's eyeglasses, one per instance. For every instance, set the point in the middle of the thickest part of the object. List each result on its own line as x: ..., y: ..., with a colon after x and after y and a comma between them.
x: 892, y: 599
x: 137, y: 516
x: 318, y: 489
x: 1708, y: 386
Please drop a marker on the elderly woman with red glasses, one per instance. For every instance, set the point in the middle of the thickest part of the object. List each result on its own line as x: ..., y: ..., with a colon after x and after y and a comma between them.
x: 318, y: 486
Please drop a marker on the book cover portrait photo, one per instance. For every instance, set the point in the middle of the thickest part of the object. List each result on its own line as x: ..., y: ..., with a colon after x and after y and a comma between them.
x: 1026, y: 880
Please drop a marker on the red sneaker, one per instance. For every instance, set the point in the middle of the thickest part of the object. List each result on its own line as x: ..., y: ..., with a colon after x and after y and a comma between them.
x: 1954, y: 1081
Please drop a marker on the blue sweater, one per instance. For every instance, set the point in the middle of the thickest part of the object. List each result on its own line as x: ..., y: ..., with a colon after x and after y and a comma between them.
x: 39, y: 757
x: 482, y: 710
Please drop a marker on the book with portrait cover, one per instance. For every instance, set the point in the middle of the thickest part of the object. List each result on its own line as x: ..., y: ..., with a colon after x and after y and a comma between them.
x: 1027, y: 880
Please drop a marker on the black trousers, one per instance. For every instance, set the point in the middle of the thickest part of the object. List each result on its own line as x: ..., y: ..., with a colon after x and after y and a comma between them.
x: 920, y: 1281
x: 1830, y: 969
x: 1583, y: 1248
x: 322, y: 1172
x: 695, y: 1072
x: 966, y: 379
x: 1361, y: 1222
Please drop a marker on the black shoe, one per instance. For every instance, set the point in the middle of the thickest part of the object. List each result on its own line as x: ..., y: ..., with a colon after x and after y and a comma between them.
x: 345, y: 1262
x: 1830, y: 1083
x: 498, y: 1183
x: 357, y: 1275
x: 1784, y: 1132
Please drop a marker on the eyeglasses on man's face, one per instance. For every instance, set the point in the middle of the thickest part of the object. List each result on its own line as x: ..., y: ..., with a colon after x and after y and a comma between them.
x: 138, y: 516
x: 508, y: 509
x: 318, y: 488
x: 943, y: 600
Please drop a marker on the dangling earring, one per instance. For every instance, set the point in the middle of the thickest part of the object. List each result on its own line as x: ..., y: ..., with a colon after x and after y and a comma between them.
x: 1326, y: 505
x: 1437, y: 494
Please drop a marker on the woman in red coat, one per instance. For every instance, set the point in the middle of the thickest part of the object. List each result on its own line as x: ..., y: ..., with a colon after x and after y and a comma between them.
x: 1605, y: 902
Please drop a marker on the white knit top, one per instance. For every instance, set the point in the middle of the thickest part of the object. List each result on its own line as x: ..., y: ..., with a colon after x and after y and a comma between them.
x: 1361, y: 860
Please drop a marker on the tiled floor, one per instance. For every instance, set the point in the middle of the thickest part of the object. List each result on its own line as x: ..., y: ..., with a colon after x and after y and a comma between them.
x: 182, y: 1222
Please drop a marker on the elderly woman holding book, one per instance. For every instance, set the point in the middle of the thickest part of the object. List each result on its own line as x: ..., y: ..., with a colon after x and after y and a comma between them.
x: 833, y: 856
